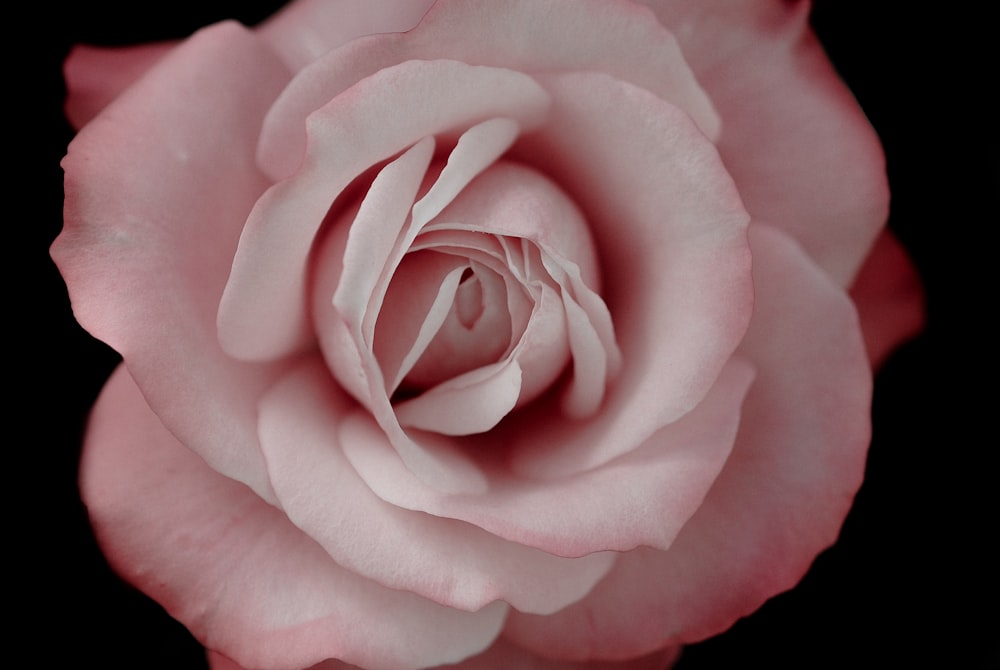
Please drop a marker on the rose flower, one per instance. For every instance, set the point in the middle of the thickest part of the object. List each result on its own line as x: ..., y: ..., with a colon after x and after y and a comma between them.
x: 475, y: 330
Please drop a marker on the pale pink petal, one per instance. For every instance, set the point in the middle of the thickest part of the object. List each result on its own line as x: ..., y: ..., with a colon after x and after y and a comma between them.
x: 348, y: 135
x: 476, y: 331
x: 523, y: 35
x: 642, y: 498
x: 476, y: 400
x: 793, y: 137
x: 473, y: 402
x: 477, y: 148
x: 543, y: 350
x: 784, y: 492
x: 217, y: 661
x: 672, y: 236
x: 448, y: 561
x: 514, y: 200
x: 157, y: 190
x: 503, y: 655
x: 416, y: 305
x: 235, y: 571
x: 97, y: 75
x: 376, y: 243
x: 889, y: 297
x: 306, y: 29
x: 596, y: 356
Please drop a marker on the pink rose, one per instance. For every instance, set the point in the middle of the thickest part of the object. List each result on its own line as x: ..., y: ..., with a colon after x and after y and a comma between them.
x: 520, y: 335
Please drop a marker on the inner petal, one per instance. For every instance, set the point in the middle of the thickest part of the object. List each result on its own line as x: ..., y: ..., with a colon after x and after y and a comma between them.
x: 476, y: 330
x: 469, y: 299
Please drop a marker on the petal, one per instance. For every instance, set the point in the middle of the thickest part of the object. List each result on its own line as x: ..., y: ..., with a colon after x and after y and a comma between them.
x: 157, y: 190
x: 448, y: 561
x: 798, y: 460
x: 459, y: 343
x: 477, y: 148
x: 350, y: 134
x: 672, y: 235
x: 96, y: 75
x: 306, y: 29
x: 417, y: 303
x: 619, y: 38
x: 889, y: 297
x: 642, y: 498
x: 473, y: 402
x: 503, y: 655
x: 233, y: 569
x: 800, y: 149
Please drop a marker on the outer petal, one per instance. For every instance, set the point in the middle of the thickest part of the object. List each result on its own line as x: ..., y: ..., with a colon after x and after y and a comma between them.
x: 95, y: 76
x: 523, y: 35
x: 301, y: 32
x: 157, y: 191
x: 802, y: 153
x: 504, y: 655
x: 306, y: 29
x: 239, y: 575
x: 889, y: 297
x: 781, y: 498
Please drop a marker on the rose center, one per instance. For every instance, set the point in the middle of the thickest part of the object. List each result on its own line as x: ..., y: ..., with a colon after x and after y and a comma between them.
x: 466, y: 304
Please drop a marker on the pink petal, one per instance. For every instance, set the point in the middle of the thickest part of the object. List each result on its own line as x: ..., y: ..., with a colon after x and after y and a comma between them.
x: 306, y: 29
x: 233, y: 569
x: 461, y: 343
x: 376, y: 243
x: 786, y: 118
x: 445, y: 560
x: 781, y: 498
x: 95, y: 76
x: 889, y: 297
x: 217, y: 661
x: 157, y: 190
x: 614, y: 37
x: 503, y: 655
x: 477, y: 149
x: 672, y: 235
x: 642, y: 498
x: 350, y: 134
x: 473, y: 402
x: 416, y: 305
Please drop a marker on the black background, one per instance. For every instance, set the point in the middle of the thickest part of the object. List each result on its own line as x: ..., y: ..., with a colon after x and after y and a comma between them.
x: 911, y: 583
